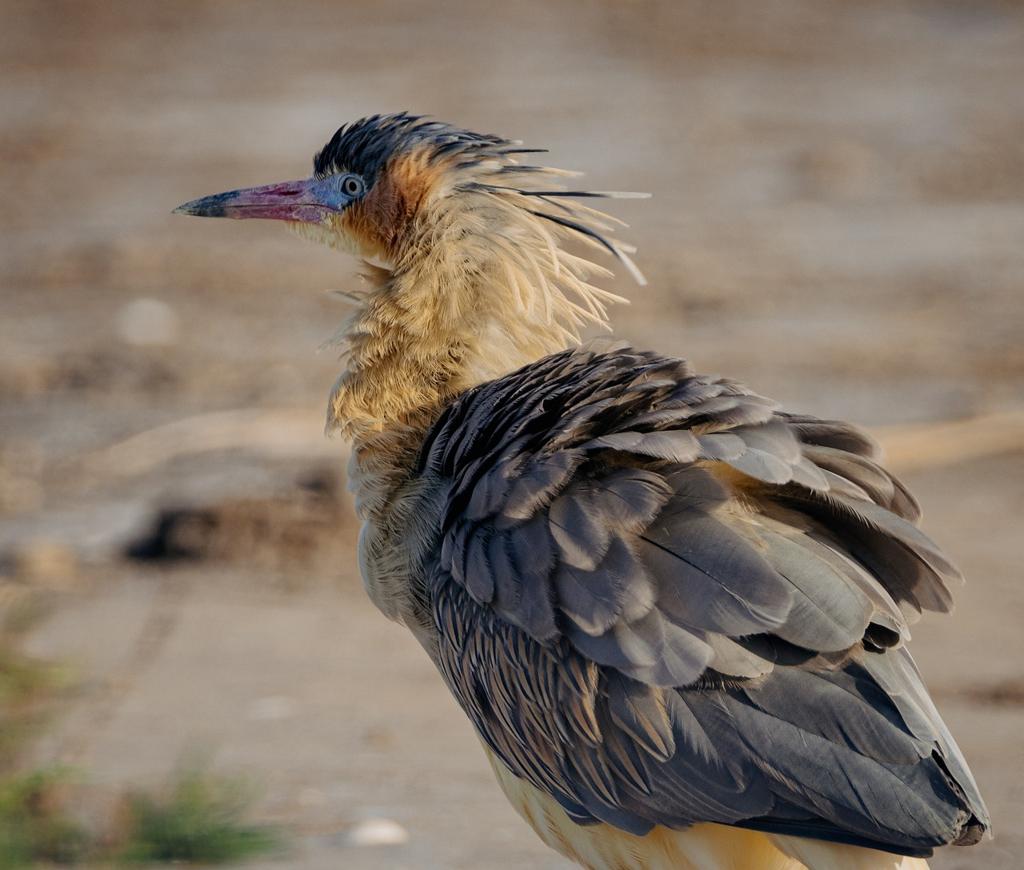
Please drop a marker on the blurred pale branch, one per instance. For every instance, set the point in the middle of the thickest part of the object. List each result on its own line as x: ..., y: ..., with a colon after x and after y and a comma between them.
x: 282, y: 432
x: 298, y: 433
x: 946, y: 442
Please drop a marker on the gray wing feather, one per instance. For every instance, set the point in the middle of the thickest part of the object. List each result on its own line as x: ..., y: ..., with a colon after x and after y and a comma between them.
x: 828, y: 612
x: 662, y: 601
x: 710, y: 578
x: 596, y: 599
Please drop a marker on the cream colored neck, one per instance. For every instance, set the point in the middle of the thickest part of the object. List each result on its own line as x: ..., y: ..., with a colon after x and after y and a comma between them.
x: 407, y: 357
x: 419, y: 339
x: 457, y: 309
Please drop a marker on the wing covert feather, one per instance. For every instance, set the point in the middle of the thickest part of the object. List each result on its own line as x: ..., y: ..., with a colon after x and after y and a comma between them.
x: 663, y: 601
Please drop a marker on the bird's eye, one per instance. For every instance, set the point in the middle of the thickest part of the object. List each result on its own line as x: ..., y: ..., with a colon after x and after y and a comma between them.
x: 352, y: 185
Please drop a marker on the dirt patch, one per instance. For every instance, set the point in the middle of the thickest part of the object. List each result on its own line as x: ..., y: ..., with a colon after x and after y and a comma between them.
x: 301, y: 532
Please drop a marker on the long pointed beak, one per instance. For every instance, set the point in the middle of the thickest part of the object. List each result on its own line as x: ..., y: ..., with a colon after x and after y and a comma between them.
x: 310, y: 200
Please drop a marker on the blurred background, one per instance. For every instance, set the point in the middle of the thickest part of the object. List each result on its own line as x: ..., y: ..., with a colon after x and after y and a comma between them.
x: 189, y: 667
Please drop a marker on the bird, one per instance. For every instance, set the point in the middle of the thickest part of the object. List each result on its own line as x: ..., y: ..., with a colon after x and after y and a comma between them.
x: 675, y: 613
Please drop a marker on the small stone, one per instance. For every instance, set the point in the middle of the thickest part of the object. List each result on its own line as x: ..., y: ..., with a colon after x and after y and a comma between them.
x: 46, y: 563
x: 272, y: 708
x: 378, y: 832
x: 147, y: 322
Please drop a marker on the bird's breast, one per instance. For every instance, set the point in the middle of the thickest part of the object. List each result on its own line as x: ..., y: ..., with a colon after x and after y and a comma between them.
x: 401, y: 525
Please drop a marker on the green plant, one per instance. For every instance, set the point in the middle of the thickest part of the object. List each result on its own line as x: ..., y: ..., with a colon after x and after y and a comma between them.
x: 27, y: 687
x: 199, y: 820
x: 34, y: 825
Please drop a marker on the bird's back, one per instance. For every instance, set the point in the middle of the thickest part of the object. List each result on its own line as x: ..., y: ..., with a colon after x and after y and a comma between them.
x: 662, y: 602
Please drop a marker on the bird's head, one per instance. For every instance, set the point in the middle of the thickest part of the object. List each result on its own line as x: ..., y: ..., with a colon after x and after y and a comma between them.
x: 397, y: 187
x: 476, y: 281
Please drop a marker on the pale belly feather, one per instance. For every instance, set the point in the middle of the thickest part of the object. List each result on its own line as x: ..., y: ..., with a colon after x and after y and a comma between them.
x: 701, y: 847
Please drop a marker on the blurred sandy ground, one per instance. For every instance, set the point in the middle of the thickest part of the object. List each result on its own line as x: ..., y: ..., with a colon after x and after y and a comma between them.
x: 838, y: 220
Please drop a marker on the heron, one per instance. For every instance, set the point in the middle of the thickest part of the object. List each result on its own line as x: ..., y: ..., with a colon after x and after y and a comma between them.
x: 675, y: 613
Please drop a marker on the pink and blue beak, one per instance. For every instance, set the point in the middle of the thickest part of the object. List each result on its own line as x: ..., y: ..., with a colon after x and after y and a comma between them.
x: 310, y: 200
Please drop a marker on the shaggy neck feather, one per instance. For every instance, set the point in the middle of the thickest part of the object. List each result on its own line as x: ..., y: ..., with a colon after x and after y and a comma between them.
x: 458, y: 307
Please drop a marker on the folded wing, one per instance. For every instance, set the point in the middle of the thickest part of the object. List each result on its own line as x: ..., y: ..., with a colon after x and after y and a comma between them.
x: 664, y: 602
